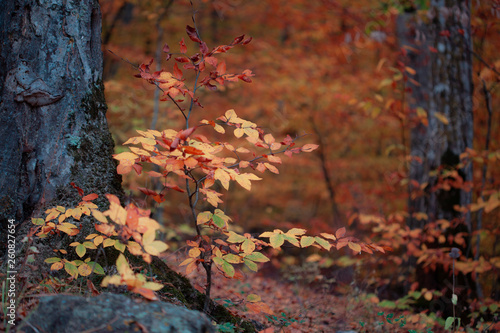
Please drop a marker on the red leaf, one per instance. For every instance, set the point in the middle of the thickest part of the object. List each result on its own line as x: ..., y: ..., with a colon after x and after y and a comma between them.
x: 238, y: 40
x: 176, y: 188
x: 340, y: 232
x: 192, y: 150
x: 181, y: 59
x: 80, y: 191
x: 221, y: 68
x: 166, y: 48
x: 246, y: 41
x: 177, y: 72
x: 147, y: 191
x: 90, y: 197
x: 192, y: 34
x: 183, y: 46
x: 184, y: 134
x: 137, y: 168
x: 203, y: 48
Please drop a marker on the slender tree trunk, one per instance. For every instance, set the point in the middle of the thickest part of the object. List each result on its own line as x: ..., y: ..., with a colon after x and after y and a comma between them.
x: 53, y: 128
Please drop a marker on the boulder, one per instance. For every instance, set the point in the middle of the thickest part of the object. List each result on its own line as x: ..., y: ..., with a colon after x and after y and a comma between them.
x: 112, y: 313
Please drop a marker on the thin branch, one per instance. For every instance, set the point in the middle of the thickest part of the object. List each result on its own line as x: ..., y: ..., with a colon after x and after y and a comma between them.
x: 155, y: 83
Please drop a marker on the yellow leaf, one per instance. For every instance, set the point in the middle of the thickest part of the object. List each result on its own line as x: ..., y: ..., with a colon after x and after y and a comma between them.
x: 56, y: 266
x: 248, y: 246
x: 149, y: 236
x: 274, y: 159
x: 203, y: 217
x: 155, y: 248
x: 84, y: 270
x: 98, y: 240
x: 238, y: 132
x: 230, y: 115
x: 354, y: 246
x: 410, y: 70
x: 306, y: 241
x: 223, y: 177
x: 125, y: 156
x: 108, y: 242
x: 276, y: 240
x: 441, y: 117
x: 194, y: 252
x: 187, y: 261
x: 253, y: 298
x: 153, y: 286
x: 219, y: 128
x: 271, y: 168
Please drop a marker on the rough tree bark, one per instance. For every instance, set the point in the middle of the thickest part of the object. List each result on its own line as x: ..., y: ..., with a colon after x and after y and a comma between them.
x: 440, y: 52
x: 53, y: 129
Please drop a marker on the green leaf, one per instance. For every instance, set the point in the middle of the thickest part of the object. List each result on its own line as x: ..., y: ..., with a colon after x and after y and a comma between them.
x: 218, y: 221
x: 119, y: 246
x: 325, y: 244
x: 306, y: 241
x: 248, y: 246
x: 253, y: 298
x: 387, y: 304
x: 449, y: 321
x: 228, y: 268
x: 277, y: 240
x: 251, y: 265
x: 80, y: 250
x: 235, y: 238
x: 454, y: 299
x: 52, y: 260
x: 71, y: 269
x: 37, y: 221
x: 257, y: 256
x: 232, y: 258
x: 292, y: 240
x: 89, y: 245
x: 97, y: 268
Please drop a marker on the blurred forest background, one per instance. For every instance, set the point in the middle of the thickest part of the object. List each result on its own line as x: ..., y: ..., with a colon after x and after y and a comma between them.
x: 337, y: 71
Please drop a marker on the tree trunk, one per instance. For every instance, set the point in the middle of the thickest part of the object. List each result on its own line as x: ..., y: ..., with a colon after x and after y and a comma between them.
x: 54, y: 129
x: 440, y: 52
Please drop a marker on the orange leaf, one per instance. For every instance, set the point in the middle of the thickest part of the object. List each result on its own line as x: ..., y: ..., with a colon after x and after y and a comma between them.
x: 340, y: 232
x: 147, y: 293
x: 309, y: 147
x: 90, y: 197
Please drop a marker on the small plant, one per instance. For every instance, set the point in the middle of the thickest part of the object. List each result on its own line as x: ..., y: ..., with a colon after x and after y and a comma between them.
x: 283, y: 321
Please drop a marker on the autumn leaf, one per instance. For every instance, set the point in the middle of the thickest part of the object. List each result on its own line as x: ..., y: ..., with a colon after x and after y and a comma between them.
x: 244, y: 180
x: 183, y: 47
x: 309, y: 147
x: 203, y: 217
x: 306, y: 241
x: 253, y: 298
x: 355, y: 247
x: 276, y: 240
x: 257, y: 257
x: 441, y: 117
x: 192, y: 34
x: 223, y: 177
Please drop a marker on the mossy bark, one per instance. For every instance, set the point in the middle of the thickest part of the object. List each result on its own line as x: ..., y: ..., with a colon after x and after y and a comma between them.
x: 54, y: 129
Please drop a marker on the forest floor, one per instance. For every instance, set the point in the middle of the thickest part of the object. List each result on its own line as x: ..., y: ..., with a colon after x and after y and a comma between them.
x: 320, y: 305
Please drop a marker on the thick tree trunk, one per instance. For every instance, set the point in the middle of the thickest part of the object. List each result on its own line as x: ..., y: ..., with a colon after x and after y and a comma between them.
x: 443, y: 65
x: 439, y: 48
x: 54, y: 129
